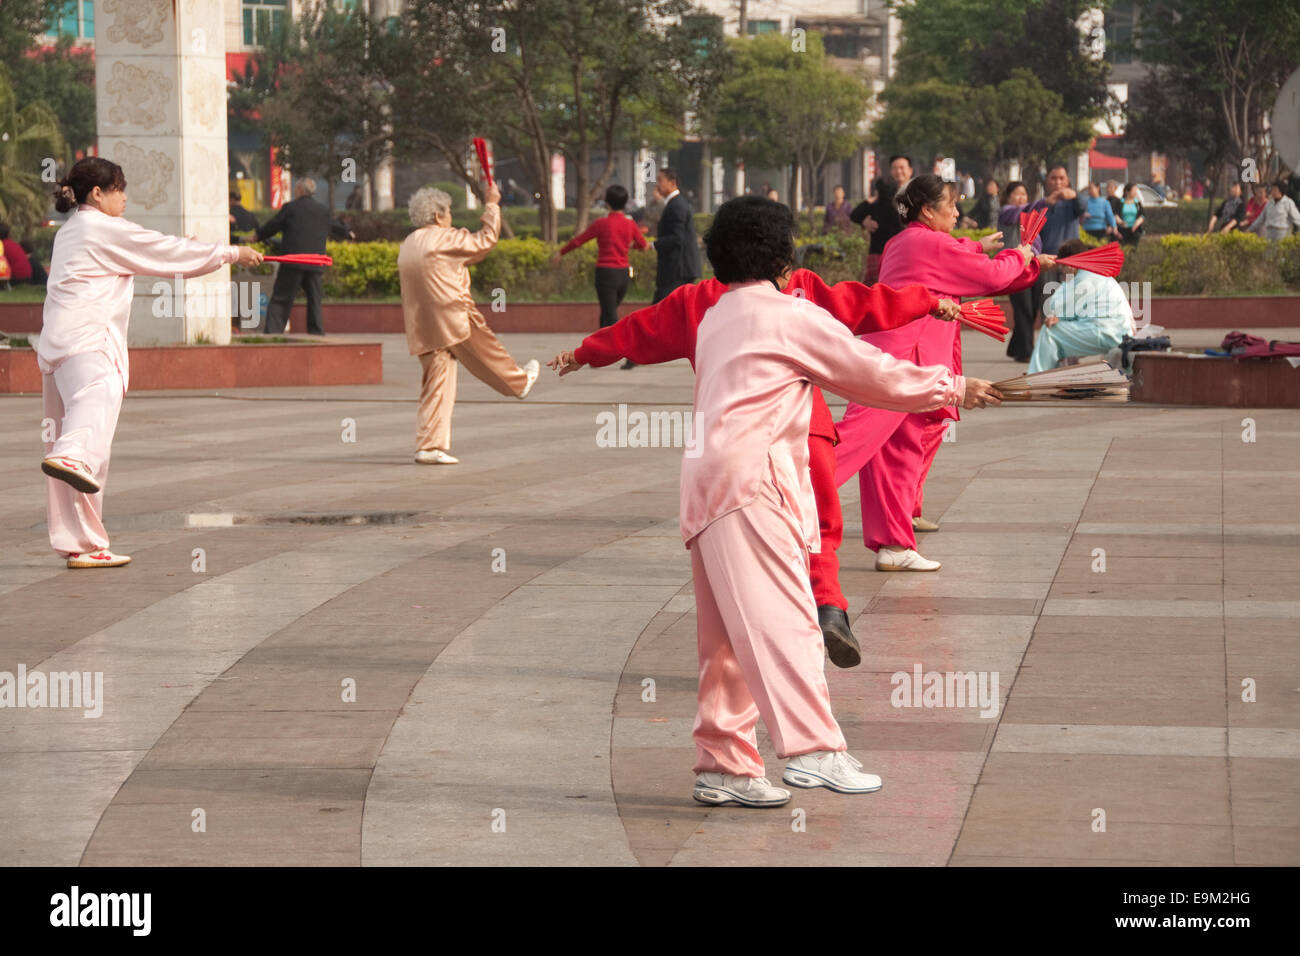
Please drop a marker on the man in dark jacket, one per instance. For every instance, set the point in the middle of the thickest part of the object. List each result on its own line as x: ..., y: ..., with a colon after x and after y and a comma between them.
x: 241, y: 220
x: 679, y: 255
x: 305, y: 224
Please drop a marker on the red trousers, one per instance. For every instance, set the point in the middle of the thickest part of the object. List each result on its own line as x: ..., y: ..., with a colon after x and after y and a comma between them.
x: 824, y: 567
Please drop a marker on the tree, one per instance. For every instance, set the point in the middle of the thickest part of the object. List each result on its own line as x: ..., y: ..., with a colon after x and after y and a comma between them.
x: 783, y: 106
x: 994, y: 79
x: 1215, y: 67
x: 20, y: 23
x: 322, y: 96
x: 29, y: 143
x: 1018, y: 119
x: 65, y: 82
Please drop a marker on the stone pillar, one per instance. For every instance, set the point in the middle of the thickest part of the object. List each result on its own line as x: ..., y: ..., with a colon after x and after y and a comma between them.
x: 160, y: 94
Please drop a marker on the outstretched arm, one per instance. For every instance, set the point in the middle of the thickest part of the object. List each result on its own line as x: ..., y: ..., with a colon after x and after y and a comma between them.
x: 864, y: 308
x: 658, y: 333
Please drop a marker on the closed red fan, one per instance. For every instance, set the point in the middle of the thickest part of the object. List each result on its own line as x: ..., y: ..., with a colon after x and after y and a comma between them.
x: 301, y: 259
x: 1031, y: 224
x: 480, y: 147
x: 1105, y: 260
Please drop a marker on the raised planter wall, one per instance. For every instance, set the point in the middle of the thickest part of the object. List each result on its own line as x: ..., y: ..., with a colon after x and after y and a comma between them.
x: 361, y: 318
x: 1179, y: 378
x: 318, y: 362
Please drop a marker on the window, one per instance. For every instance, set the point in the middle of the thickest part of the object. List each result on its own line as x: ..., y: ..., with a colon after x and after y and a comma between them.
x: 763, y: 26
x: 261, y: 19
x: 1119, y: 32
x: 76, y: 18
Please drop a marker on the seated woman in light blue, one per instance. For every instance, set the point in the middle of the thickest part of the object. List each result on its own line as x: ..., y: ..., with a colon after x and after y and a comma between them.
x: 1086, y: 315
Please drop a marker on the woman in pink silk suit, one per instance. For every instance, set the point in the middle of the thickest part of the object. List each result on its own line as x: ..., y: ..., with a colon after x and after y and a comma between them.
x: 892, y: 451
x: 748, y: 515
x: 82, y: 350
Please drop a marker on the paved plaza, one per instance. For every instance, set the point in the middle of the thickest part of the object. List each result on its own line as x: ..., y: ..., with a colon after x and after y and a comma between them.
x: 324, y: 654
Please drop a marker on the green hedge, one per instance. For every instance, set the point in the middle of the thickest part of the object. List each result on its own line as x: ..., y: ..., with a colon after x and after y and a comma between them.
x: 1238, y: 263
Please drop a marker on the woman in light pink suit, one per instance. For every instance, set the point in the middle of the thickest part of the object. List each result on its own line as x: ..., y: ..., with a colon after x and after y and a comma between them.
x: 748, y: 514
x: 82, y: 348
x: 892, y: 451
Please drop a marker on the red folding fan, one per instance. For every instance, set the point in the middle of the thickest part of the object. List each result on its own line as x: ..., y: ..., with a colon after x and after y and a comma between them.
x: 983, y: 315
x: 1105, y: 260
x: 301, y: 259
x: 480, y: 147
x: 1031, y: 224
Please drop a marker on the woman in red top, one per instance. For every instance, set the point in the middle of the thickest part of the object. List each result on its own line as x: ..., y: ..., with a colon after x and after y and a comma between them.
x: 613, y: 234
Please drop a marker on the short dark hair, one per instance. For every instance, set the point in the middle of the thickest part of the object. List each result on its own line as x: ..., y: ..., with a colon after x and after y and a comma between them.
x: 1055, y: 166
x: 669, y: 174
x: 924, y: 190
x: 1071, y: 247
x: 751, y: 238
x: 616, y: 197
x: 234, y: 197
x: 1280, y: 186
x: 910, y: 164
x: 84, y: 177
x: 1011, y: 187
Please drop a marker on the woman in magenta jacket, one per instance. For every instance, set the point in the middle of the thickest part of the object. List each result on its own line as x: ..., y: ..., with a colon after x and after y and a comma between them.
x: 892, y: 451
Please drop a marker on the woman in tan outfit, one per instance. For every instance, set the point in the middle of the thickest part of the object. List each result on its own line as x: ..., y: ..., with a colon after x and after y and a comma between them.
x: 443, y: 325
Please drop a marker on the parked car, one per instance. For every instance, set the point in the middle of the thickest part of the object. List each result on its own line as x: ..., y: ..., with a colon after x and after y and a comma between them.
x: 1151, y: 199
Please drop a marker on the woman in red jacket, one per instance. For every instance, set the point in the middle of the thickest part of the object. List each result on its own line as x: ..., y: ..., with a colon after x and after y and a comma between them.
x: 614, y: 234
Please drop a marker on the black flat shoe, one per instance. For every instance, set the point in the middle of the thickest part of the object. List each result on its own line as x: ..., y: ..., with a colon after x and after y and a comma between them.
x: 841, y: 645
x: 628, y: 363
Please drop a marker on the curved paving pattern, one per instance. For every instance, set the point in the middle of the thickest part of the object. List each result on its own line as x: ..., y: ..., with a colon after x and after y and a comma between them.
x: 540, y: 713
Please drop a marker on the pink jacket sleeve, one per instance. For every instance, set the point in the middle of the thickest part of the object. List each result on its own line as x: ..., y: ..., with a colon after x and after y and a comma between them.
x: 833, y: 359
x: 133, y: 250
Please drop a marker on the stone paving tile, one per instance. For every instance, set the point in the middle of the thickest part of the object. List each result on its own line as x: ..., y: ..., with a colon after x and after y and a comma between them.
x: 1127, y: 682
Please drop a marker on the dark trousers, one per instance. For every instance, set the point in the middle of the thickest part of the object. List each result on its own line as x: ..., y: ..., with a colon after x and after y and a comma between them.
x: 287, y: 281
x: 1024, y: 309
x: 611, y: 286
x: 665, y: 286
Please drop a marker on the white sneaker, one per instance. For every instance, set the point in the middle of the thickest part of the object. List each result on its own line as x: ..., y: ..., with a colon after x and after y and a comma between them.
x: 102, y: 558
x: 435, y: 457
x: 834, y: 769
x: 75, y: 473
x: 533, y: 370
x: 717, y: 789
x: 906, y: 560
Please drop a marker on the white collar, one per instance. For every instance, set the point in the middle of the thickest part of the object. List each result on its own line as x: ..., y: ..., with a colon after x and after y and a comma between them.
x: 669, y: 197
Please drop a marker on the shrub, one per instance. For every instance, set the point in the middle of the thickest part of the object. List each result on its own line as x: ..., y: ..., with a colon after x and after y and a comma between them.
x: 1240, y: 263
x: 362, y: 269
